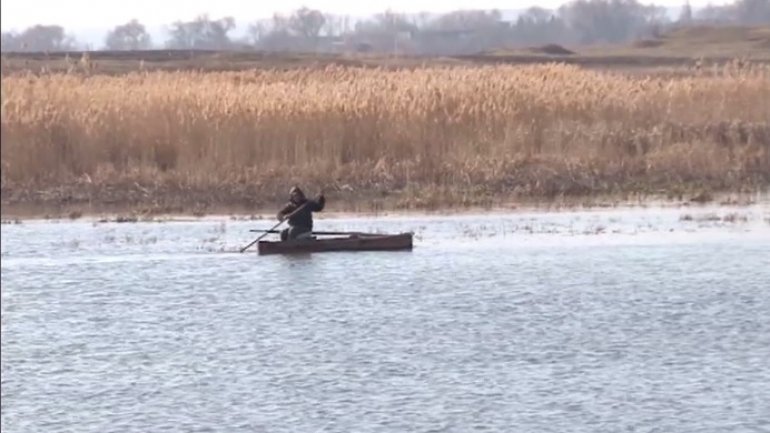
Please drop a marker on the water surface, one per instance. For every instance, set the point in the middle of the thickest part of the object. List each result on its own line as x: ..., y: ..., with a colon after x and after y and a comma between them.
x: 643, y: 320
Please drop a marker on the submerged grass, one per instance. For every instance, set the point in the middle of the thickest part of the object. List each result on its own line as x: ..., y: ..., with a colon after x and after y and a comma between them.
x: 409, y: 138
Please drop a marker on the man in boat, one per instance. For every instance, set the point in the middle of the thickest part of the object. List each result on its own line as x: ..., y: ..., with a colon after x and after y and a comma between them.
x: 301, y: 223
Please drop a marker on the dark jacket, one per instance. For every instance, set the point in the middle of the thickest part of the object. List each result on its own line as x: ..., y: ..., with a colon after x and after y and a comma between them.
x: 303, y: 218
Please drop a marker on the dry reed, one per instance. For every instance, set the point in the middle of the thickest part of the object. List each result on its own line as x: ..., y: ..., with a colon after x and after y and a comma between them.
x: 433, y: 135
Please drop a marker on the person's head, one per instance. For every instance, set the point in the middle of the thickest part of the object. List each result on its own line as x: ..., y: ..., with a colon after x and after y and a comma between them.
x: 296, y: 195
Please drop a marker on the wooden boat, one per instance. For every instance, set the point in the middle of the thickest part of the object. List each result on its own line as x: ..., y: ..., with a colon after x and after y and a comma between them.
x: 352, y: 242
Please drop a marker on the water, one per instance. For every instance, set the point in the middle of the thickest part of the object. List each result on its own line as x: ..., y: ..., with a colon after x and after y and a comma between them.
x: 644, y: 320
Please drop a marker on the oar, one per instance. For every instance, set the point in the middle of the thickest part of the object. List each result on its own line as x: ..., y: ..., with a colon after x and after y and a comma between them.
x: 315, y: 233
x: 275, y: 226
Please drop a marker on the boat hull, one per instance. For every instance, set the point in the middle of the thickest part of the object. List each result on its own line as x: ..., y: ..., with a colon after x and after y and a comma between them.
x: 397, y: 242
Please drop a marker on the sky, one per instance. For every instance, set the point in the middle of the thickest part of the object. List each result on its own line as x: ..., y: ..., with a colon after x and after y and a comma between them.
x: 75, y: 14
x: 90, y: 20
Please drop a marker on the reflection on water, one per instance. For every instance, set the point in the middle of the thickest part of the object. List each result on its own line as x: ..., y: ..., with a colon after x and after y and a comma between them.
x: 594, y: 321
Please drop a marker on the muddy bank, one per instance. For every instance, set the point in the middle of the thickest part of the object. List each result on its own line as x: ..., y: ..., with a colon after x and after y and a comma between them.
x: 135, y: 202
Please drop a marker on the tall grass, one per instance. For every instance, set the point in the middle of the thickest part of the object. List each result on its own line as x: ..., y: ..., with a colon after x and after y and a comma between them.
x: 467, y: 132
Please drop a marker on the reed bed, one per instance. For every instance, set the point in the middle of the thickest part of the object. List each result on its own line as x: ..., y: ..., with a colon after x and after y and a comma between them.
x: 431, y: 136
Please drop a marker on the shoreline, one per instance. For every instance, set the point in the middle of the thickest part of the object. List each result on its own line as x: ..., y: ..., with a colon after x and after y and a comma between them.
x: 449, y: 140
x: 124, y: 213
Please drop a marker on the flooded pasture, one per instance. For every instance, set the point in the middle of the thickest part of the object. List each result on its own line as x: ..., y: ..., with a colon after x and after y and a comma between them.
x: 616, y: 320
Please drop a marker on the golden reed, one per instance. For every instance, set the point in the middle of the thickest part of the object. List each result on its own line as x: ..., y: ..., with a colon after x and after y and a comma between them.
x: 469, y: 133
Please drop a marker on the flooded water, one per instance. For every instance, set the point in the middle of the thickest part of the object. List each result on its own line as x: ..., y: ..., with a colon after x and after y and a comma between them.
x: 641, y: 320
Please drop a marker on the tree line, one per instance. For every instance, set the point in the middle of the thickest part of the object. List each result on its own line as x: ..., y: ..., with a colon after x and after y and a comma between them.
x: 579, y: 22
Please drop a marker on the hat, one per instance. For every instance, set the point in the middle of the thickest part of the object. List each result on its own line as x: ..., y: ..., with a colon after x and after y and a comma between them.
x: 295, y: 189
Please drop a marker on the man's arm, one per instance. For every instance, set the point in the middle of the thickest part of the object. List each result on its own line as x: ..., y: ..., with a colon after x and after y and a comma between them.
x: 319, y: 203
x: 289, y: 208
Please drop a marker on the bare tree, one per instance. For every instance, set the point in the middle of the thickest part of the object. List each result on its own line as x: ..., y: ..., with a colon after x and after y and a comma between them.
x: 422, y: 20
x: 612, y: 21
x: 201, y: 33
x: 464, y: 31
x: 335, y: 25
x: 685, y: 15
x: 752, y: 11
x: 273, y: 34
x: 39, y: 38
x: 539, y: 26
x: 467, y: 20
x: 258, y: 31
x: 388, y: 22
x: 9, y: 42
x: 302, y: 30
x: 537, y: 15
x: 714, y: 14
x: 307, y: 23
x: 129, y: 36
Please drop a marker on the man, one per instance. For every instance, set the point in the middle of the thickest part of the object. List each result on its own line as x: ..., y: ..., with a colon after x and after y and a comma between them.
x: 301, y: 223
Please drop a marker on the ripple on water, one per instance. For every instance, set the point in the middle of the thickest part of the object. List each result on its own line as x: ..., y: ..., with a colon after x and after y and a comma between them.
x: 527, y: 322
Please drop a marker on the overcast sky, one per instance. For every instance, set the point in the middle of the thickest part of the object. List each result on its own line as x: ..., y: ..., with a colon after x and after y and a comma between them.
x: 84, y: 14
